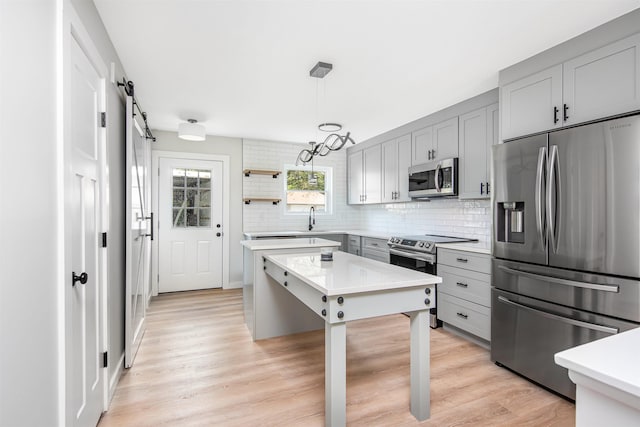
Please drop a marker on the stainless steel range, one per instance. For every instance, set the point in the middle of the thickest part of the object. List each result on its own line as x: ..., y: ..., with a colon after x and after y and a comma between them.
x: 419, y: 253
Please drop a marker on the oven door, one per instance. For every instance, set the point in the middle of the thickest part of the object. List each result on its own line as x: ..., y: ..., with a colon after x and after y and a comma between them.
x: 434, y: 179
x: 425, y: 263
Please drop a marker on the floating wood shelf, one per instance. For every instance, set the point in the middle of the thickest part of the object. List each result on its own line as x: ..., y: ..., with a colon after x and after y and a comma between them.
x: 248, y: 200
x: 248, y: 172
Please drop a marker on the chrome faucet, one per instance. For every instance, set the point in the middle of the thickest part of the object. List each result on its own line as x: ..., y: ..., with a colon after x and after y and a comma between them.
x: 312, y: 217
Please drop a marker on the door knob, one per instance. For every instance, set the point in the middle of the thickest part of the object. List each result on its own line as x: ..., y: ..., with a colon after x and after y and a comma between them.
x: 82, y: 278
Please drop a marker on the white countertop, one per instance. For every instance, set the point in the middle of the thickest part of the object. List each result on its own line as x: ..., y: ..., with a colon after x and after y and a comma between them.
x: 477, y: 247
x: 365, y: 233
x: 348, y: 274
x: 612, y: 360
x: 295, y: 243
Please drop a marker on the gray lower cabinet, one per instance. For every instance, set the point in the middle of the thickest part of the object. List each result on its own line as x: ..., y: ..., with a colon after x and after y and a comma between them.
x: 353, y: 245
x: 375, y: 249
x: 464, y: 296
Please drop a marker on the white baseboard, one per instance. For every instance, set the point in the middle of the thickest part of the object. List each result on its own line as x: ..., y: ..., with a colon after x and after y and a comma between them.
x: 234, y: 285
x: 113, y: 381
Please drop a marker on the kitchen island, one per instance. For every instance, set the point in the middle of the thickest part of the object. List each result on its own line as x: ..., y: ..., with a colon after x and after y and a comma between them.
x: 268, y: 310
x: 351, y: 288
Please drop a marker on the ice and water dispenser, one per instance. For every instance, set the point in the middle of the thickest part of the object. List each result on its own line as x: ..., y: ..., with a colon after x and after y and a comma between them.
x: 510, y: 220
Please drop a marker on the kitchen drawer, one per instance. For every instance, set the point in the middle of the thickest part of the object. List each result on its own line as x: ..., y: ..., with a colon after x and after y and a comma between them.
x: 469, y: 285
x: 354, y: 240
x: 375, y: 244
x: 376, y: 254
x: 468, y: 316
x: 463, y: 259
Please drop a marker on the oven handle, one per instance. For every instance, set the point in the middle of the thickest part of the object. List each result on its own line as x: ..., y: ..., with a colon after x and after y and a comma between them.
x: 422, y: 257
x: 560, y: 281
x: 579, y: 323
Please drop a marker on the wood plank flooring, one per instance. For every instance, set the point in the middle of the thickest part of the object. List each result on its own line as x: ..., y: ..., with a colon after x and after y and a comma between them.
x: 197, y: 366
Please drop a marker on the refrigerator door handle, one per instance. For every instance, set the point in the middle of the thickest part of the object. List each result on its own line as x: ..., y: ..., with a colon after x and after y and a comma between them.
x: 541, y: 223
x: 574, y: 322
x: 560, y: 281
x: 553, y: 181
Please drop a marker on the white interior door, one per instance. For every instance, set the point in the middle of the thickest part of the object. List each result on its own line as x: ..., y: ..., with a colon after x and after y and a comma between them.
x: 190, y: 224
x: 138, y: 259
x: 84, y: 363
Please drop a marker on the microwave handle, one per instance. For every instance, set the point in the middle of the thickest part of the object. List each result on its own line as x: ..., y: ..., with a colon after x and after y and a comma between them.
x: 438, y: 177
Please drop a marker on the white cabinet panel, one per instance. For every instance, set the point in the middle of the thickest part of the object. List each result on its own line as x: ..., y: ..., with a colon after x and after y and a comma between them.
x: 532, y: 104
x: 355, y: 178
x: 421, y: 145
x: 473, y: 155
x: 373, y: 174
x: 445, y: 139
x: 603, y: 82
x: 396, y: 159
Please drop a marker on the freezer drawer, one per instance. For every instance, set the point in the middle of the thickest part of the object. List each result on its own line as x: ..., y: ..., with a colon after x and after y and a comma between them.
x: 608, y: 295
x: 526, y: 333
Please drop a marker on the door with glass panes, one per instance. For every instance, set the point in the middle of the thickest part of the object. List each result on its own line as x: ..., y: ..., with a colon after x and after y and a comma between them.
x: 189, y: 225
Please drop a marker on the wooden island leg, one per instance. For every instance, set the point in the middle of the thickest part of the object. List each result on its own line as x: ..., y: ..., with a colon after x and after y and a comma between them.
x: 335, y: 374
x: 420, y: 396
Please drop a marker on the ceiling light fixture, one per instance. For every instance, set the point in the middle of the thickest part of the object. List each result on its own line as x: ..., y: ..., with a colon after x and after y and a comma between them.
x: 333, y: 141
x: 191, y: 131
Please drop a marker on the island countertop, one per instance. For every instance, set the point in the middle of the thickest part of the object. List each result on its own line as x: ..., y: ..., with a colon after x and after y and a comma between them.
x: 349, y: 274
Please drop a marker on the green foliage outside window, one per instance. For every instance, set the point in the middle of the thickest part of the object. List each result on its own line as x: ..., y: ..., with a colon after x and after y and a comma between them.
x: 299, y: 180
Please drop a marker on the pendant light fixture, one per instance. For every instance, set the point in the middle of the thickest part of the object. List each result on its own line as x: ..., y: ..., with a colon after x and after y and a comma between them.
x: 333, y: 141
x: 191, y: 131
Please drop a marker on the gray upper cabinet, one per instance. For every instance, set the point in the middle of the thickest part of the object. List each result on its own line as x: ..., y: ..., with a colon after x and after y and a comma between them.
x: 396, y: 159
x: 436, y: 142
x: 601, y: 83
x: 445, y: 139
x: 478, y: 132
x: 365, y: 175
x: 528, y: 104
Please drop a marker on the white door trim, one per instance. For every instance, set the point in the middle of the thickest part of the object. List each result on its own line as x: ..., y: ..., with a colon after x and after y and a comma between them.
x: 155, y: 164
x: 70, y: 27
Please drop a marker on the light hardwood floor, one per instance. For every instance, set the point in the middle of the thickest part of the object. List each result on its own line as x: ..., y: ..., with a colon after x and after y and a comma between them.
x: 197, y: 366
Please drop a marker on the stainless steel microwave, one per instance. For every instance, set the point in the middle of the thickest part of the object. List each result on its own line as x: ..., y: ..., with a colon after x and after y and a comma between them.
x: 434, y: 179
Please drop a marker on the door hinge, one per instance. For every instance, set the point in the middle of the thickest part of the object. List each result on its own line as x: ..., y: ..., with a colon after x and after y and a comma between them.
x: 103, y: 119
x: 105, y: 359
x: 104, y: 240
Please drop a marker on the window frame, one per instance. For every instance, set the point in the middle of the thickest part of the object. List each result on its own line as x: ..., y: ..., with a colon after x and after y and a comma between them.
x: 328, y: 188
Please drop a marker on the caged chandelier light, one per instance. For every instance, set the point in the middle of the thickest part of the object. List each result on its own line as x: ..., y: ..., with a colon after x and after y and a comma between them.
x: 333, y: 141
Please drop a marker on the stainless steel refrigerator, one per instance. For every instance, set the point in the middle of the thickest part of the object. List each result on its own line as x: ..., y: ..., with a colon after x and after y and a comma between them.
x: 566, y: 245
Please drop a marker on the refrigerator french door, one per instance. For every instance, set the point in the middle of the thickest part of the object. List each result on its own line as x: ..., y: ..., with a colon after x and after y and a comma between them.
x: 566, y: 264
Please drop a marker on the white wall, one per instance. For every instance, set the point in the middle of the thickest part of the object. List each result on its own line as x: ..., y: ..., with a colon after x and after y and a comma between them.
x: 232, y: 147
x: 273, y: 155
x: 28, y: 218
x: 471, y: 218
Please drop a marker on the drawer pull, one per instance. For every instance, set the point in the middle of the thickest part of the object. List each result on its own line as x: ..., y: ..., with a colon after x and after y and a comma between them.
x: 464, y: 316
x: 462, y: 284
x: 462, y: 260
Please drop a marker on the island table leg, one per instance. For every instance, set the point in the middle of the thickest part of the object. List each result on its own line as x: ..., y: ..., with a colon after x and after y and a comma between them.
x: 420, y: 394
x: 335, y: 375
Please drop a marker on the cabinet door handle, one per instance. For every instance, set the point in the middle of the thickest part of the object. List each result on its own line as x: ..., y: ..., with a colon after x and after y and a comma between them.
x: 428, y: 154
x: 462, y: 260
x: 564, y: 114
x: 482, y: 188
x: 464, y: 316
x: 462, y: 284
x: 433, y: 156
x: 487, y: 188
x: 555, y: 115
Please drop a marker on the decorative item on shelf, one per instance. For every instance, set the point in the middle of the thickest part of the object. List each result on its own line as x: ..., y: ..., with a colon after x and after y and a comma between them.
x: 191, y: 131
x: 333, y: 141
x: 248, y: 172
x: 248, y: 200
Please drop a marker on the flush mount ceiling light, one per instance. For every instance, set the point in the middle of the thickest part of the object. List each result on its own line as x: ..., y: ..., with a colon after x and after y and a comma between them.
x: 191, y: 131
x: 334, y: 141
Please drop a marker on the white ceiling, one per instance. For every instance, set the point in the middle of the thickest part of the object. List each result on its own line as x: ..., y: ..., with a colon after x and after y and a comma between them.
x: 241, y: 67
